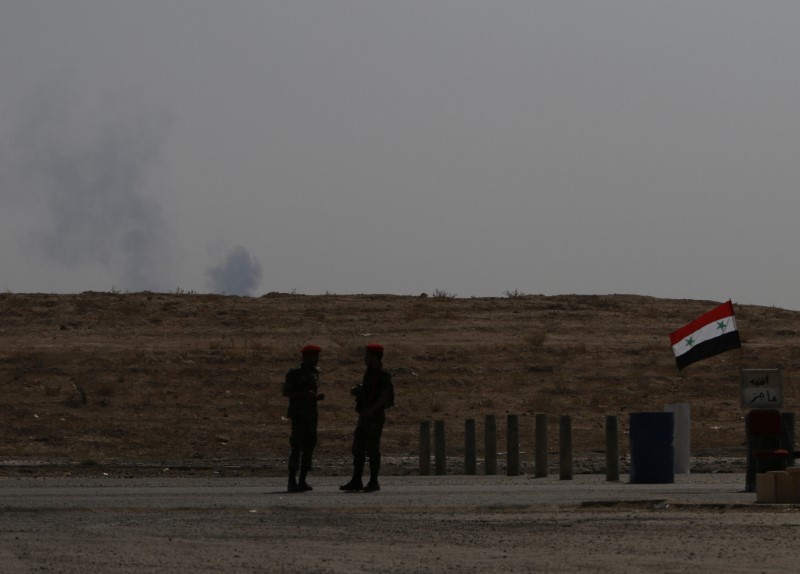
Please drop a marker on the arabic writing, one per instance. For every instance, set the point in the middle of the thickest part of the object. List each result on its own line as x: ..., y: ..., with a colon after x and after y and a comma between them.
x: 769, y: 397
x: 759, y: 381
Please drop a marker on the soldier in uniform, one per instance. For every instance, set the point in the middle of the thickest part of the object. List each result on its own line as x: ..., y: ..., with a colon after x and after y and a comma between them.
x: 373, y: 396
x: 301, y: 389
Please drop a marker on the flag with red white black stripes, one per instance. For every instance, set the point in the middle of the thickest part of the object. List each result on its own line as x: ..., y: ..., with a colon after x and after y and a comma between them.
x: 710, y: 334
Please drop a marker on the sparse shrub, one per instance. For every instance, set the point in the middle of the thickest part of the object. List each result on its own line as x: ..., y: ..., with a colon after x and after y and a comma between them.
x: 535, y: 337
x: 353, y: 345
x: 515, y: 294
x: 562, y: 387
x: 441, y: 295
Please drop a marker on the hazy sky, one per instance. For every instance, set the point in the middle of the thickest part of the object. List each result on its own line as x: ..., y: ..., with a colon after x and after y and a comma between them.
x: 343, y: 146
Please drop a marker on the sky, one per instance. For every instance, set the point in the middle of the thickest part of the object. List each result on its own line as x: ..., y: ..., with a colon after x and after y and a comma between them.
x: 475, y: 148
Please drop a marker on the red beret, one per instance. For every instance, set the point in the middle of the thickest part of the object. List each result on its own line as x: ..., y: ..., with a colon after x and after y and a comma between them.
x: 375, y: 348
x: 308, y: 349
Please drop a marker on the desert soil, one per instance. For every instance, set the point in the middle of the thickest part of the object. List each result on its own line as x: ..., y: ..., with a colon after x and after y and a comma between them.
x: 126, y: 386
x: 122, y: 382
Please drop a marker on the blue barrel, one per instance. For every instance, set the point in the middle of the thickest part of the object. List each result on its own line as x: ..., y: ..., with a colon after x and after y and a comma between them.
x: 652, y: 451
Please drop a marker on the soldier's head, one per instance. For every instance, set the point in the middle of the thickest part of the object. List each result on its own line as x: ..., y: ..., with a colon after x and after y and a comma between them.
x: 373, y: 355
x: 310, y: 354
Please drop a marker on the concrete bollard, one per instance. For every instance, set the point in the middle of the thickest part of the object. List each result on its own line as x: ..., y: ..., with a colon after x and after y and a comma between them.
x: 490, y: 445
x: 681, y: 436
x: 612, y: 448
x: 541, y: 447
x: 565, y: 447
x: 440, y: 452
x: 424, y: 448
x: 512, y: 445
x: 470, y: 457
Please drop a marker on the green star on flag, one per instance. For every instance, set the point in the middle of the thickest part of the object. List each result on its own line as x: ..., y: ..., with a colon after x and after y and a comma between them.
x: 710, y: 334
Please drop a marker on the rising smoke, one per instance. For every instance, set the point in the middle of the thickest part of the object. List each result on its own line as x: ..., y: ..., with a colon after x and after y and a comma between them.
x: 88, y: 169
x: 239, y: 273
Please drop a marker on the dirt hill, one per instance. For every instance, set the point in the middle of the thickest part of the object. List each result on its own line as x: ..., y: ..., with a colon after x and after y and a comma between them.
x: 115, y: 382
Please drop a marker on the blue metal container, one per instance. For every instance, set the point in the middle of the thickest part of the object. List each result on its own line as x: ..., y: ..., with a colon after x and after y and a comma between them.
x: 652, y: 450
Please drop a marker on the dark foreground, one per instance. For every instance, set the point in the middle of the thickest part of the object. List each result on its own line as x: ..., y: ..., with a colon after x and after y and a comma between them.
x: 705, y: 522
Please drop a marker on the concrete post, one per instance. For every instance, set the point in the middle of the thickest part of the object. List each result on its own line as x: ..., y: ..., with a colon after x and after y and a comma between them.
x: 424, y: 448
x: 565, y: 447
x: 681, y: 436
x: 439, y: 448
x: 541, y: 447
x: 470, y: 458
x: 512, y: 446
x: 612, y: 448
x: 490, y: 445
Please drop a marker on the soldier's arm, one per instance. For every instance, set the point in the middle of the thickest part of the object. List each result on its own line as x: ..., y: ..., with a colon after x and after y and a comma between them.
x: 383, y: 399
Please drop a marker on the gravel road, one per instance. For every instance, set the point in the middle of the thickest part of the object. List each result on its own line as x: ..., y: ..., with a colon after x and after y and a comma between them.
x: 705, y: 522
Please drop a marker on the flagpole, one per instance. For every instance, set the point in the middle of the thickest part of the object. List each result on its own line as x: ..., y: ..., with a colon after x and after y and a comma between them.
x: 741, y: 359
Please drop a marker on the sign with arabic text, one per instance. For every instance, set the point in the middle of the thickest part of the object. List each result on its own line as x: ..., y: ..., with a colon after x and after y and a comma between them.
x: 762, y: 388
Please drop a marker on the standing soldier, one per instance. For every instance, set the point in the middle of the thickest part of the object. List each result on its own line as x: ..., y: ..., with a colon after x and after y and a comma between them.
x: 301, y: 388
x: 373, y: 396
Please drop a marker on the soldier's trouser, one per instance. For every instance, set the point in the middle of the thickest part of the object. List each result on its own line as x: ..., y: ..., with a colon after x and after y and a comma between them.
x: 367, y: 443
x: 303, y: 440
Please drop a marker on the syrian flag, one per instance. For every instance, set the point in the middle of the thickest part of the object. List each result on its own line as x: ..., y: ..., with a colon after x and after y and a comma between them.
x: 710, y: 334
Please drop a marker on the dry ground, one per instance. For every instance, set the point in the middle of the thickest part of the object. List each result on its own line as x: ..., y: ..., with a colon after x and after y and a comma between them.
x: 702, y: 523
x: 116, y: 382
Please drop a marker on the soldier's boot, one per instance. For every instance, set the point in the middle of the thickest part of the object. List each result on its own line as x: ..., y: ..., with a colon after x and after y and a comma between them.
x: 294, y: 462
x: 355, y: 482
x: 352, y: 486
x: 303, y: 486
x: 374, y: 468
x: 293, y: 486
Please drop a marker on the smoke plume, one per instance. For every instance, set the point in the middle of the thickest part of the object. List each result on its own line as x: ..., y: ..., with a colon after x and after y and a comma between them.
x: 239, y: 273
x: 87, y: 169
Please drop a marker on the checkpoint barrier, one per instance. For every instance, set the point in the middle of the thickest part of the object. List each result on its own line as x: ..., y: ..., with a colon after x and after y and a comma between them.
x: 659, y: 447
x: 513, y: 464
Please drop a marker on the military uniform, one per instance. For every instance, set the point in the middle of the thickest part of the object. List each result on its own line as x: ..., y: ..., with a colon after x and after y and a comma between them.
x: 373, y: 396
x: 300, y: 387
